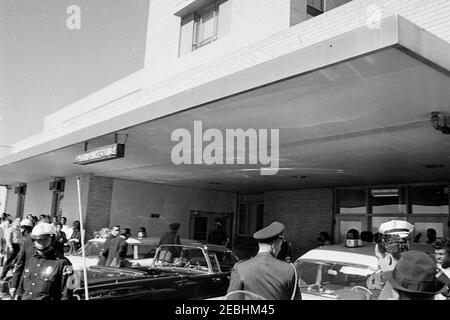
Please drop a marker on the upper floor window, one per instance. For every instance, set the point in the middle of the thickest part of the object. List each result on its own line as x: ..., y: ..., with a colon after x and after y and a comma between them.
x: 206, y: 25
x: 202, y: 22
x: 315, y: 7
x: 317, y: 4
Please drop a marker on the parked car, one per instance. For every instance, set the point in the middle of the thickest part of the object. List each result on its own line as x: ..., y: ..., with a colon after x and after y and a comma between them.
x: 192, y: 272
x: 140, y: 251
x: 337, y: 273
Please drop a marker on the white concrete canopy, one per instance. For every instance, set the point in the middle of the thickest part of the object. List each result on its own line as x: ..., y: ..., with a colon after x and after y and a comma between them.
x: 352, y: 110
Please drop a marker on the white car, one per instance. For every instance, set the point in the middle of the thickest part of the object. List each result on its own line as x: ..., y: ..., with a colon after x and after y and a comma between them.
x: 338, y: 273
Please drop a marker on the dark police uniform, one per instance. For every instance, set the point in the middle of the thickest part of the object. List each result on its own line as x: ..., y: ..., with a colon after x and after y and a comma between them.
x: 45, y: 277
x: 25, y: 254
x: 264, y: 275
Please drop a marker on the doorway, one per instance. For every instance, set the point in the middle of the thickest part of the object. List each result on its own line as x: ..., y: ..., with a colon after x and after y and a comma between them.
x: 203, y: 222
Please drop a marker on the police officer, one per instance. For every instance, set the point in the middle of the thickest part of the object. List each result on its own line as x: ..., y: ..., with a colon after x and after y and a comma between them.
x: 394, y: 241
x: 25, y: 254
x: 47, y: 273
x: 264, y: 275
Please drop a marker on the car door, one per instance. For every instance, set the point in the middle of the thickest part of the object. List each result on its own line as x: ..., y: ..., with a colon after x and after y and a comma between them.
x: 161, y: 287
x: 215, y: 283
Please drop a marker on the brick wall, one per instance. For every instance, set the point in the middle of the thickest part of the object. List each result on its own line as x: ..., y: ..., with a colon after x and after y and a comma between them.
x: 96, y: 195
x: 97, y: 202
x: 305, y: 213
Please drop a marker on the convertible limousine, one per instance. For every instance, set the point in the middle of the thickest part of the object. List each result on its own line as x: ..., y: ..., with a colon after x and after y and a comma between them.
x: 177, y: 272
x: 140, y: 251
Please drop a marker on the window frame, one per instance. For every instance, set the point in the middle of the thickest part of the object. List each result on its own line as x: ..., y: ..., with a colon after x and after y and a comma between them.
x: 313, y: 10
x: 57, y: 202
x: 251, y: 218
x: 405, y: 188
x: 198, y: 15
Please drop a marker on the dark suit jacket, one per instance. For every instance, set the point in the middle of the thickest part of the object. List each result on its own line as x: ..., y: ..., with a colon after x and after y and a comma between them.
x: 265, y: 276
x: 25, y: 254
x: 170, y: 237
x: 115, y: 248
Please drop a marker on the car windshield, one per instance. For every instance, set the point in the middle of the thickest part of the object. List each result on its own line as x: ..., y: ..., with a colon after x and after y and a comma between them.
x: 184, y: 257
x: 334, y: 280
x: 91, y: 249
x: 94, y: 248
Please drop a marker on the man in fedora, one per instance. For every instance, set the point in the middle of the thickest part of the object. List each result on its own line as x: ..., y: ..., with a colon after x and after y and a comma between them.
x: 414, y: 277
x: 218, y: 235
x: 264, y: 276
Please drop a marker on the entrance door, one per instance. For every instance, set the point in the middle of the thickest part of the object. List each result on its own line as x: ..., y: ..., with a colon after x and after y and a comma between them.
x: 203, y: 222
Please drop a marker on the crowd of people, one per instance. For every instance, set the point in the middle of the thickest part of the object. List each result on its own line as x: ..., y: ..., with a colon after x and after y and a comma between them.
x: 32, y: 251
x: 13, y: 234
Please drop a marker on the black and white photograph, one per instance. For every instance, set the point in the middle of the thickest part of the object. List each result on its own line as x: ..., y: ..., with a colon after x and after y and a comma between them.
x: 199, y: 153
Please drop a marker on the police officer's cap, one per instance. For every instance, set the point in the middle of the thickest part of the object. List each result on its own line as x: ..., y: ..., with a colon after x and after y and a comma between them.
x: 26, y: 223
x: 271, y: 232
x: 43, y: 230
x: 174, y: 226
x: 399, y: 227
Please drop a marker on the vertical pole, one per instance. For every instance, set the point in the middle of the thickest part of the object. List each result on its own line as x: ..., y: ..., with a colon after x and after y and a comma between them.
x: 86, y: 293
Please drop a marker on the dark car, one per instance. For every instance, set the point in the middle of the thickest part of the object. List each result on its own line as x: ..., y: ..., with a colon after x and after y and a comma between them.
x: 188, y: 272
x: 140, y: 251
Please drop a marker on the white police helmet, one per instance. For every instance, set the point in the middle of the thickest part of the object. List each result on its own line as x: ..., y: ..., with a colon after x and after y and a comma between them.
x: 26, y: 223
x: 42, y: 230
x: 399, y: 227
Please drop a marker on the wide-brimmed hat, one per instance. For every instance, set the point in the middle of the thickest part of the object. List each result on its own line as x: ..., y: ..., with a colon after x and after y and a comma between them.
x: 415, y: 272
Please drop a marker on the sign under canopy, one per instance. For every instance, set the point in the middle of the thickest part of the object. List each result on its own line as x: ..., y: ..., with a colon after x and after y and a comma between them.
x: 109, y: 152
